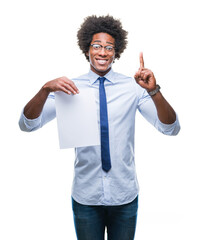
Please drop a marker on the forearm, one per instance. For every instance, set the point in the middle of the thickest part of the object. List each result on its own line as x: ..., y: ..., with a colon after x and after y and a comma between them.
x: 165, y: 112
x: 34, y: 107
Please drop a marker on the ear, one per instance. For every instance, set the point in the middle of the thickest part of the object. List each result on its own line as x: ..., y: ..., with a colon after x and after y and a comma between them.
x: 87, y: 54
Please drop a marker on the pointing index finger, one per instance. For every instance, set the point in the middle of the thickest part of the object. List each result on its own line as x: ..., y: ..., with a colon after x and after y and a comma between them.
x: 141, y: 60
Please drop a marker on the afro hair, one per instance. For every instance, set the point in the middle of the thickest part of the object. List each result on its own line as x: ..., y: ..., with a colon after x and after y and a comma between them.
x: 106, y: 24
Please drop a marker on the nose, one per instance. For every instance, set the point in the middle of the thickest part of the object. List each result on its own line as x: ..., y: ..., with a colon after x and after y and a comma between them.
x: 102, y: 51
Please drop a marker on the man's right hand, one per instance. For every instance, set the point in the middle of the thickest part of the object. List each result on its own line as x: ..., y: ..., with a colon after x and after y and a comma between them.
x: 61, y: 84
x: 34, y: 107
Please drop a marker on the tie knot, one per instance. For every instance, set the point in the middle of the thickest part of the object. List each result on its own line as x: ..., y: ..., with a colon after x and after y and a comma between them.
x: 101, y: 79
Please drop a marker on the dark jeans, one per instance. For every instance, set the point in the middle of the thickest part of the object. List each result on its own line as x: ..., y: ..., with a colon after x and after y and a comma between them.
x: 90, y: 221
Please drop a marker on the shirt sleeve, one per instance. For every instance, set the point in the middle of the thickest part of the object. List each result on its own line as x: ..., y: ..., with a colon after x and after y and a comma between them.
x: 48, y: 113
x: 148, y: 110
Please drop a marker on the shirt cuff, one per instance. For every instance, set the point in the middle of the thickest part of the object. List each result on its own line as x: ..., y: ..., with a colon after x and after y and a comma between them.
x: 29, y: 124
x: 169, y: 129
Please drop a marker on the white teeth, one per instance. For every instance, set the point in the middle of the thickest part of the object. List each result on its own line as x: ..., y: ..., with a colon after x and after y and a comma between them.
x: 101, y: 61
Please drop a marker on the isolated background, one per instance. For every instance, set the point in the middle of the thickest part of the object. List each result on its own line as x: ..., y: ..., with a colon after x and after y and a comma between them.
x: 38, y: 43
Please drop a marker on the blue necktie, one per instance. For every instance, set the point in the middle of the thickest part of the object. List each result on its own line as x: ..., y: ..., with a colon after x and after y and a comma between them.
x: 105, y: 152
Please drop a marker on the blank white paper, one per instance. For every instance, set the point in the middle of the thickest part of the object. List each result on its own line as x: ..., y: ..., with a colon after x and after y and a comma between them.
x: 77, y: 119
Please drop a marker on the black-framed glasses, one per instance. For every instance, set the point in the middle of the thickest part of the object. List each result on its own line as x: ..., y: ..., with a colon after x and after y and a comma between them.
x: 98, y: 47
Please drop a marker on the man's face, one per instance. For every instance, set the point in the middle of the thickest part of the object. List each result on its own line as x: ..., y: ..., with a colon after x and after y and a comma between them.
x: 101, y: 59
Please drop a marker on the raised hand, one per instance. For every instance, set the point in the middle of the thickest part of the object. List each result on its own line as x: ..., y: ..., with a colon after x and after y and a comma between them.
x: 145, y: 77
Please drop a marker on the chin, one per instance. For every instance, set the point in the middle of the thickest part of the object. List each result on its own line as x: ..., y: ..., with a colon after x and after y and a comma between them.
x: 101, y: 69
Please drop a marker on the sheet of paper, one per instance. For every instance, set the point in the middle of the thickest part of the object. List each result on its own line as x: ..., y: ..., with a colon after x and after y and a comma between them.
x: 77, y: 119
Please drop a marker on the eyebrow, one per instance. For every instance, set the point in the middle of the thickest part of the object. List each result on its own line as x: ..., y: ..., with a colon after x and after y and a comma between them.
x: 106, y: 42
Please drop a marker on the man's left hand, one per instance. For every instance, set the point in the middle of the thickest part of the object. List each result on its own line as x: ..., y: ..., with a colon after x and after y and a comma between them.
x: 145, y: 77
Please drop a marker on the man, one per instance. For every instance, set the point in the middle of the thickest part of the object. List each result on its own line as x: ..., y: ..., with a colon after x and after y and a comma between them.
x: 105, y: 187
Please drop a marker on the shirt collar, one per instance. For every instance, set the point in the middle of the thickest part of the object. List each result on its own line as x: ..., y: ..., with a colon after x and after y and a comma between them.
x: 110, y: 76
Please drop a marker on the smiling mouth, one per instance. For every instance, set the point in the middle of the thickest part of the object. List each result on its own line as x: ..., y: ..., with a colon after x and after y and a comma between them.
x: 101, y: 61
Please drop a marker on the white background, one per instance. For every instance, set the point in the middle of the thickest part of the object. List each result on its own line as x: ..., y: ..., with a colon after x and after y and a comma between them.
x: 38, y: 43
